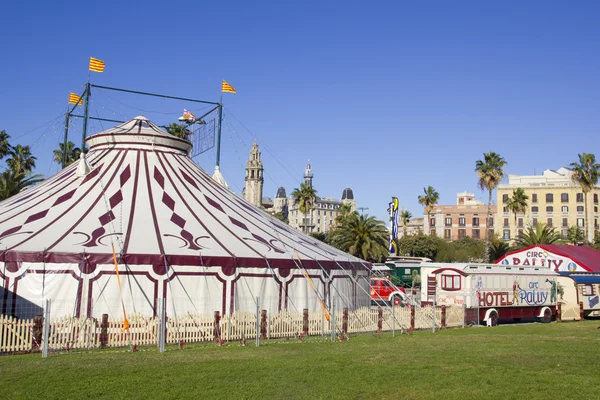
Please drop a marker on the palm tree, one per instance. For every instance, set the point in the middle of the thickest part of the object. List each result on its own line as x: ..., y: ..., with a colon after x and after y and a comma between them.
x: 73, y: 154
x: 21, y: 159
x: 304, y: 198
x: 343, y: 213
x: 575, y: 235
x: 490, y: 172
x: 12, y: 182
x: 405, y: 216
x: 585, y: 174
x: 429, y: 200
x: 362, y: 236
x: 179, y: 130
x: 517, y: 203
x: 539, y: 234
x: 4, y: 145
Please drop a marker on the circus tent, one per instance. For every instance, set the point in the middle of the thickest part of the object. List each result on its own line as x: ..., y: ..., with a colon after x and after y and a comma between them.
x: 178, y: 235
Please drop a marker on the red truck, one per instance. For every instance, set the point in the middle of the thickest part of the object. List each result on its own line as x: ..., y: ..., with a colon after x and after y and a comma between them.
x: 383, y: 290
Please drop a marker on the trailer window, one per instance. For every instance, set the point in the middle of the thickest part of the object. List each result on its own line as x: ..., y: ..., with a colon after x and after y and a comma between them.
x: 451, y: 282
x: 588, y: 290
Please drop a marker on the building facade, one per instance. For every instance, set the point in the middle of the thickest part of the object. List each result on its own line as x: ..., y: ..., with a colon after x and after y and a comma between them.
x: 253, y: 183
x: 554, y: 199
x: 414, y: 227
x: 468, y: 217
x: 321, y: 217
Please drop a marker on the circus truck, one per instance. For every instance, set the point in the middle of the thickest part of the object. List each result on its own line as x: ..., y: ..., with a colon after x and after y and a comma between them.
x: 490, y: 292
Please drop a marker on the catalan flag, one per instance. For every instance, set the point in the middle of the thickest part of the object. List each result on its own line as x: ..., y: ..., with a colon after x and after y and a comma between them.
x: 74, y: 99
x: 227, y: 88
x: 96, y: 65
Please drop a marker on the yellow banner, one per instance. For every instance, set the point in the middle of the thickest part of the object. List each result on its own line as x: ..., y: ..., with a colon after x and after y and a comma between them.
x: 96, y: 65
x: 227, y: 88
x: 74, y: 99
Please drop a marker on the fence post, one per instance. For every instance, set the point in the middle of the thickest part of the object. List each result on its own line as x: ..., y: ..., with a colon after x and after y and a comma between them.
x: 162, y: 325
x: 104, y: 331
x: 46, y: 329
x: 581, y: 315
x: 345, y: 320
x: 412, y: 318
x: 263, y: 324
x: 332, y: 323
x: 379, y: 320
x: 558, y: 312
x: 257, y: 331
x: 217, y: 327
x: 443, y: 317
x: 38, y: 327
x: 305, y: 322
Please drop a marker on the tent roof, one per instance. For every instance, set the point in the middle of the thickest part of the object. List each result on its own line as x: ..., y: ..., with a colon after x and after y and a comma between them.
x: 147, y: 197
x: 585, y: 256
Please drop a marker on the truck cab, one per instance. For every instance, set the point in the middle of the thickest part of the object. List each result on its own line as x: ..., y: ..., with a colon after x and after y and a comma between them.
x: 383, y: 290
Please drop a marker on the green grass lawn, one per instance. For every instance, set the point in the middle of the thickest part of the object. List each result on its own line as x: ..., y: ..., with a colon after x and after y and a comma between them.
x: 530, y: 361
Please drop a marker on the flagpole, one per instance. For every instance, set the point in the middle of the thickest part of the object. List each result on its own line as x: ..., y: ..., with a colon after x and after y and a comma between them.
x: 85, y: 115
x: 219, y: 131
x: 64, y: 159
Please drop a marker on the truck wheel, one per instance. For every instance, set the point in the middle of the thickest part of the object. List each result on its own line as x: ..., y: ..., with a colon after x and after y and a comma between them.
x: 547, y: 317
x: 396, y: 300
x: 494, y: 318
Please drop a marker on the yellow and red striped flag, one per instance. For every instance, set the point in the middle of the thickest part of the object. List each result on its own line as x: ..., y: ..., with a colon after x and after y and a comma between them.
x: 74, y: 99
x: 227, y: 88
x: 96, y: 65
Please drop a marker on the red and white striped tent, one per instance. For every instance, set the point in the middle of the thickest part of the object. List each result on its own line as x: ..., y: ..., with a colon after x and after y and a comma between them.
x: 177, y: 234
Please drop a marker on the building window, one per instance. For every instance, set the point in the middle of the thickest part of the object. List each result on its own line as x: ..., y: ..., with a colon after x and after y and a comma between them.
x: 520, y: 233
x: 475, y: 233
x: 549, y: 209
x: 505, y: 222
x: 475, y: 221
x: 564, y: 209
x: 451, y: 282
x: 505, y: 210
x: 588, y: 290
x: 534, y: 198
x: 432, y: 222
x: 595, y: 223
x: 579, y: 208
x: 595, y: 198
x: 462, y: 233
x: 448, y: 234
x: 579, y: 197
x: 432, y: 232
x: 520, y: 222
x: 580, y: 222
x: 565, y: 222
x: 448, y: 221
x: 564, y: 197
x: 549, y: 222
x: 534, y: 221
x: 490, y: 232
x: 564, y: 232
x: 491, y: 221
x: 504, y: 198
x: 318, y: 212
x: 506, y: 234
x: 595, y: 208
x: 461, y: 221
x: 534, y: 209
x: 549, y: 198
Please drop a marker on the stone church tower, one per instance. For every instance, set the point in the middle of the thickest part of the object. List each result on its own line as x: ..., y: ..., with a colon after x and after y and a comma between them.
x: 253, y: 187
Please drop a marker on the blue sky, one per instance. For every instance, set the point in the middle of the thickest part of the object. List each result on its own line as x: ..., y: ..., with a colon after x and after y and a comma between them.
x: 384, y: 97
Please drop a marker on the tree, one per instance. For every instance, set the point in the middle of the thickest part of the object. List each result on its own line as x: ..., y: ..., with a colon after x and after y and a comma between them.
x: 585, y: 174
x: 319, y: 236
x: 405, y: 217
x: 343, y: 213
x: 4, y: 145
x: 420, y: 245
x: 539, y: 234
x: 498, y: 248
x: 362, y: 236
x: 73, y: 153
x: 12, y: 183
x: 281, y: 217
x: 179, y: 130
x: 463, y: 250
x: 304, y: 198
x: 21, y: 159
x: 517, y: 203
x: 575, y: 236
x: 490, y: 173
x: 429, y: 200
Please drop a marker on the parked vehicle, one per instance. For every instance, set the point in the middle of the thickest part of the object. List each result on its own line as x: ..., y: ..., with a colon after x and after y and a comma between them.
x: 581, y: 287
x: 491, y: 292
x: 383, y: 290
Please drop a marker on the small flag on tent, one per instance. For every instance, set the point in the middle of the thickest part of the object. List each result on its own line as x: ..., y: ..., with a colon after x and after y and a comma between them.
x: 188, y: 116
x: 227, y: 88
x: 74, y: 99
x: 96, y: 65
